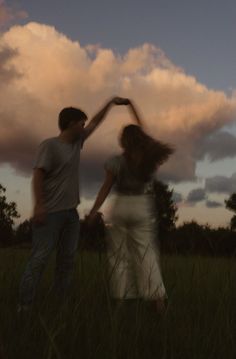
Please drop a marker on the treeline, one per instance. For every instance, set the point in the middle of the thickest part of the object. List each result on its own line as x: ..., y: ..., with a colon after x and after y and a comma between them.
x: 188, y: 238
x: 193, y: 238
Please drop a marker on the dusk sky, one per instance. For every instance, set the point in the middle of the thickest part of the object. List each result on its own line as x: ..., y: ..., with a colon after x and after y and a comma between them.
x: 175, y: 59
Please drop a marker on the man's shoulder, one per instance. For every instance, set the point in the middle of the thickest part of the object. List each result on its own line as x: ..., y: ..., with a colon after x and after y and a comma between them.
x: 48, y: 141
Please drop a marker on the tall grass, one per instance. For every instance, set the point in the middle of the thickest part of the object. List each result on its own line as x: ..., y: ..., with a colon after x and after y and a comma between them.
x: 199, y: 323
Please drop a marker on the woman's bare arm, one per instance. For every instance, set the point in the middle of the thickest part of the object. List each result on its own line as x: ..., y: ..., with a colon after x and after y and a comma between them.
x: 103, y: 193
x: 135, y: 113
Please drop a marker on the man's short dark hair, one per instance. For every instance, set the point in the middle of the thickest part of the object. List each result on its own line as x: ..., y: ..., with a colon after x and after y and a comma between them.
x: 68, y: 115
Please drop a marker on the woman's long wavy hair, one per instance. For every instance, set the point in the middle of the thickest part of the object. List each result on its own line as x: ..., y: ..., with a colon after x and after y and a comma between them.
x: 143, y: 153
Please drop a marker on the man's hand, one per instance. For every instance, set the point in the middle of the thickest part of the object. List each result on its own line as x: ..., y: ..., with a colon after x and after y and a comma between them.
x: 39, y: 214
x: 91, y: 218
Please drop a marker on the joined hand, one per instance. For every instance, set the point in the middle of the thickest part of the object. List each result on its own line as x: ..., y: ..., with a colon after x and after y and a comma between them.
x: 121, y: 101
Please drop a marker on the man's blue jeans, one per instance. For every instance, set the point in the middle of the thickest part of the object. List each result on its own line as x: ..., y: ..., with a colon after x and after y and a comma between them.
x: 61, y: 231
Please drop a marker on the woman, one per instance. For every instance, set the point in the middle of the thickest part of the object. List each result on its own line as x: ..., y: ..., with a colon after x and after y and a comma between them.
x: 133, y: 254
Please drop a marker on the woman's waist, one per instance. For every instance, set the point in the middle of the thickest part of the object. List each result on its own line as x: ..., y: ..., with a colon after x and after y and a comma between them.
x: 145, y: 189
x: 138, y: 207
x: 133, y: 193
x: 131, y: 200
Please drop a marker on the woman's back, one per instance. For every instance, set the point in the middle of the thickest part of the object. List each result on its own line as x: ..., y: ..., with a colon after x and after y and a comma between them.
x: 126, y: 181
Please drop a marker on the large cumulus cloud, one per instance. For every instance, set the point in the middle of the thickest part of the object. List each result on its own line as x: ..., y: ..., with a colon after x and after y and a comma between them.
x: 44, y: 71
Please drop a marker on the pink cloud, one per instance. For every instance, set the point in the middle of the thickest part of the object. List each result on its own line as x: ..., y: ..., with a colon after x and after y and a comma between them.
x: 45, y: 71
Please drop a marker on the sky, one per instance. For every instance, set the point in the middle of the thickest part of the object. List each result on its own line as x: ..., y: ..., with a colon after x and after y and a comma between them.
x: 175, y: 59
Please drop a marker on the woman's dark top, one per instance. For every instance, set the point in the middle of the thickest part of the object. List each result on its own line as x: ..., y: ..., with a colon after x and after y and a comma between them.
x: 126, y: 182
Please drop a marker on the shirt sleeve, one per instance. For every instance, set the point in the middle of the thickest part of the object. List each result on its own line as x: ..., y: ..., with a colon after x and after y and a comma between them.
x: 113, y: 165
x: 43, y: 157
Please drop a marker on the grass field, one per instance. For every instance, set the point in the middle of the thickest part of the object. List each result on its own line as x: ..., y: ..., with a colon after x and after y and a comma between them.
x: 199, y: 323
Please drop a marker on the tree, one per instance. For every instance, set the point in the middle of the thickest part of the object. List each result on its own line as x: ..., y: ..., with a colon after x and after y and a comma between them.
x: 191, y: 237
x: 8, y: 213
x: 165, y: 207
x: 231, y: 205
x: 24, y: 232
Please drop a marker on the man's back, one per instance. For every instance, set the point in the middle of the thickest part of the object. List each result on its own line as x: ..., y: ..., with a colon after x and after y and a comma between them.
x: 60, y: 162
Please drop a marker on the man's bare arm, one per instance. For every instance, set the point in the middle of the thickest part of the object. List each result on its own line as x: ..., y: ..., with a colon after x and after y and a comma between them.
x: 39, y: 211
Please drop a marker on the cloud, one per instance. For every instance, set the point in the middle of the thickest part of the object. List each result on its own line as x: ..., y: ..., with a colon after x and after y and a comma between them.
x: 7, y: 72
x: 44, y: 71
x: 177, y: 197
x: 218, y: 146
x: 9, y: 14
x: 196, y: 195
x: 221, y: 184
x: 213, y: 204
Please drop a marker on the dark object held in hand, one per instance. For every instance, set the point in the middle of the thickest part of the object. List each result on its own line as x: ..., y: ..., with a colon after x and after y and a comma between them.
x: 93, y: 233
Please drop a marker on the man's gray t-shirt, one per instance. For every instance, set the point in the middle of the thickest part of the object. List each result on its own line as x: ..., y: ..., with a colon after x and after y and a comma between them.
x: 60, y: 161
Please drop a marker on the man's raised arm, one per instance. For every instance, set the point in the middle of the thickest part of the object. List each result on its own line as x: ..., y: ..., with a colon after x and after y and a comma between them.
x: 97, y: 119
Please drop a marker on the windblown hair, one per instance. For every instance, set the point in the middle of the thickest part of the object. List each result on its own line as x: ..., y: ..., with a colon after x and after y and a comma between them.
x: 143, y: 153
x: 68, y: 115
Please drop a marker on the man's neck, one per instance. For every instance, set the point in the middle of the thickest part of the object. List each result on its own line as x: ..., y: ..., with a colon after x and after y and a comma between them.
x: 66, y: 137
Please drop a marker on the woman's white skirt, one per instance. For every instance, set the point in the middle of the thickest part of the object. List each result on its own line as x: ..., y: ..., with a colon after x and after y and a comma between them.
x: 134, y: 263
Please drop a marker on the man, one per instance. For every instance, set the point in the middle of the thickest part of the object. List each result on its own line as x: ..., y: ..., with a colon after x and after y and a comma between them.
x: 56, y: 196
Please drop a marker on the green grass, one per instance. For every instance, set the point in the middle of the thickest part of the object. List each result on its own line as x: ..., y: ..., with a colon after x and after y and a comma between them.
x: 199, y: 323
